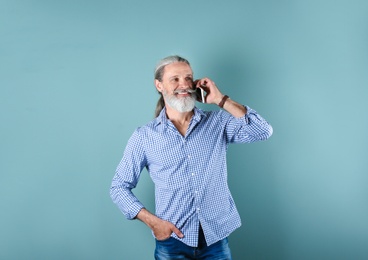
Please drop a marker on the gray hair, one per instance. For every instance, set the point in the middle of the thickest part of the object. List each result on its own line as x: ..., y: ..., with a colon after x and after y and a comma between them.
x: 159, y: 73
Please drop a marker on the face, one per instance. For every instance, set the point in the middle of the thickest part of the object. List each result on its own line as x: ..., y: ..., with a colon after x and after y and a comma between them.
x: 177, y: 86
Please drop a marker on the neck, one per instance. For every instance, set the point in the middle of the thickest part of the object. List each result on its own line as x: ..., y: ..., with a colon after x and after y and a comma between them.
x: 178, y: 117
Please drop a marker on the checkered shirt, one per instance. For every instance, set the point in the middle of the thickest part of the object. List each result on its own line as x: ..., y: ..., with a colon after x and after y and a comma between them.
x: 189, y: 172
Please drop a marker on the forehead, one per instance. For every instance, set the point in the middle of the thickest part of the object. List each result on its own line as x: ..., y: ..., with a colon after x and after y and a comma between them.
x: 177, y: 68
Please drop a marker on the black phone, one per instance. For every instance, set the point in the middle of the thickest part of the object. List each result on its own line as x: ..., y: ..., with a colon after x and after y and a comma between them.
x: 200, y: 94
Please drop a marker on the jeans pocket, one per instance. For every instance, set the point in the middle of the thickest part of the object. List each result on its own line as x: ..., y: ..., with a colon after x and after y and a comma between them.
x: 169, y: 248
x: 163, y: 240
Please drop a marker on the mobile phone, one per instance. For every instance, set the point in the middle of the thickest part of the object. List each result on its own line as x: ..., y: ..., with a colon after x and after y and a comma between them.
x: 200, y: 95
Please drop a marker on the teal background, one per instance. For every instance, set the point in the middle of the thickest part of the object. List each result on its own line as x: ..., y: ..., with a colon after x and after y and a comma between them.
x: 76, y: 78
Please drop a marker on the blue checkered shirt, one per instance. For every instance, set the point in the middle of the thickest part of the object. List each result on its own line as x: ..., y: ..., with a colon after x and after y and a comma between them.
x: 189, y: 172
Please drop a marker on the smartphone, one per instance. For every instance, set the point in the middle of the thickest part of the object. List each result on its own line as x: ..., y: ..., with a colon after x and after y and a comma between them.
x: 200, y: 95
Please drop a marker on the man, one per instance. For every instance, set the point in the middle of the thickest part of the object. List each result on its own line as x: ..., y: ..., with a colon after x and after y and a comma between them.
x: 184, y: 151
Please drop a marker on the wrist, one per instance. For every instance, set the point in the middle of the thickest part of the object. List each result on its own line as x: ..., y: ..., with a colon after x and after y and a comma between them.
x: 147, y: 217
x: 223, y: 100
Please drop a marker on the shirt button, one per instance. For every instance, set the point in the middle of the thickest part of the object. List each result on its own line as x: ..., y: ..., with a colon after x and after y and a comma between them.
x: 198, y: 209
x: 189, y: 156
x: 193, y: 173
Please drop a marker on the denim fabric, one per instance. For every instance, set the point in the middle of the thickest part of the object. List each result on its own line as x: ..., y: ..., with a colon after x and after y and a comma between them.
x: 172, y: 248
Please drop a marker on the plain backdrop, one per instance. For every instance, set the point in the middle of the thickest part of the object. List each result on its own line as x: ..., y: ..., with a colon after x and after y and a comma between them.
x: 76, y: 79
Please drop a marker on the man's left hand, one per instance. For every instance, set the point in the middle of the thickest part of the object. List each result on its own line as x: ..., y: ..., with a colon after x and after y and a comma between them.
x: 213, y: 95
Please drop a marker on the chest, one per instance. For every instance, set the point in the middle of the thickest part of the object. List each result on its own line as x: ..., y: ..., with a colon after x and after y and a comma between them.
x: 181, y: 128
x: 170, y: 150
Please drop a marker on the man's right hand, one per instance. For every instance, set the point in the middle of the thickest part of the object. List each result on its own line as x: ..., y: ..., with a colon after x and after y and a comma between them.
x: 162, y: 229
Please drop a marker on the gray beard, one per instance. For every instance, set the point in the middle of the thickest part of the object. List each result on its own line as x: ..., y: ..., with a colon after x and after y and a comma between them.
x: 180, y: 104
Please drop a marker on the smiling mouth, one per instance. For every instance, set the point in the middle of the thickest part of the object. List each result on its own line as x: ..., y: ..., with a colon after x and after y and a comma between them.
x: 184, y: 91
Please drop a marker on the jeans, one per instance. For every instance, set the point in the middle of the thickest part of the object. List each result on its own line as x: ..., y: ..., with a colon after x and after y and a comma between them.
x: 172, y: 248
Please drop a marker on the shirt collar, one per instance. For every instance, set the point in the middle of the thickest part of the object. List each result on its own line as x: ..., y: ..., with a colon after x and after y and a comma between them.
x: 162, y: 118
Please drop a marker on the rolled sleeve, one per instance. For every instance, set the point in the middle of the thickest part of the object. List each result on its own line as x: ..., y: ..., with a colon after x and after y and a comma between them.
x: 126, y: 177
x: 247, y: 129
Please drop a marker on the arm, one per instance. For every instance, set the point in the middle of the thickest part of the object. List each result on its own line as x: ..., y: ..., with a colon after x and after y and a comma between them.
x: 125, y: 179
x: 214, y: 96
x: 161, y: 229
x: 245, y: 125
x: 234, y: 108
x: 127, y: 176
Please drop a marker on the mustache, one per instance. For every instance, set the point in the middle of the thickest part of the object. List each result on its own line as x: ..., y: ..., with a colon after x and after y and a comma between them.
x: 184, y: 91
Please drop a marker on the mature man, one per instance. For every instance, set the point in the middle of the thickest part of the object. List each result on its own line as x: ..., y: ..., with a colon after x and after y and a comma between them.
x: 184, y: 150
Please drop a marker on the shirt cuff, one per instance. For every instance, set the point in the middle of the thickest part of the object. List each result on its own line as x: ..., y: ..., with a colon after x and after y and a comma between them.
x: 246, y: 116
x: 134, y: 210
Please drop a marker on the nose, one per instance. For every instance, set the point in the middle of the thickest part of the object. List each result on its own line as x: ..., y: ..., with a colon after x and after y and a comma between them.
x: 185, y: 83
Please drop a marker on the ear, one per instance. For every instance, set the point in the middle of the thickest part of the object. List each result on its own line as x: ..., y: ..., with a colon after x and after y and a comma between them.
x: 158, y: 85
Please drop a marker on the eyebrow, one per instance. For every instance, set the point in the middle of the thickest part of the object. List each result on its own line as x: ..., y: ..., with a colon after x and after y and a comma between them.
x: 175, y: 76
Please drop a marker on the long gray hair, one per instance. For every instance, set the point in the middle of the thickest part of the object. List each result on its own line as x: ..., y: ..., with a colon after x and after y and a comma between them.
x: 159, y: 73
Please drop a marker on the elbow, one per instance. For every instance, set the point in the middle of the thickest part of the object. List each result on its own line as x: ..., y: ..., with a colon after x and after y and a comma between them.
x: 268, y: 132
x: 113, y: 194
x: 265, y: 134
x: 116, y: 191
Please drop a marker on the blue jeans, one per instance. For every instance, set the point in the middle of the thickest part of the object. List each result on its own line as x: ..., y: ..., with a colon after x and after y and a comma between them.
x: 172, y: 248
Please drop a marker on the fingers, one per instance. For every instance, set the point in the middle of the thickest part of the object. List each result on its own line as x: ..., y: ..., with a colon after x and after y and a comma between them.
x: 201, y: 82
x: 177, y: 232
x: 165, y: 229
x: 205, y: 83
